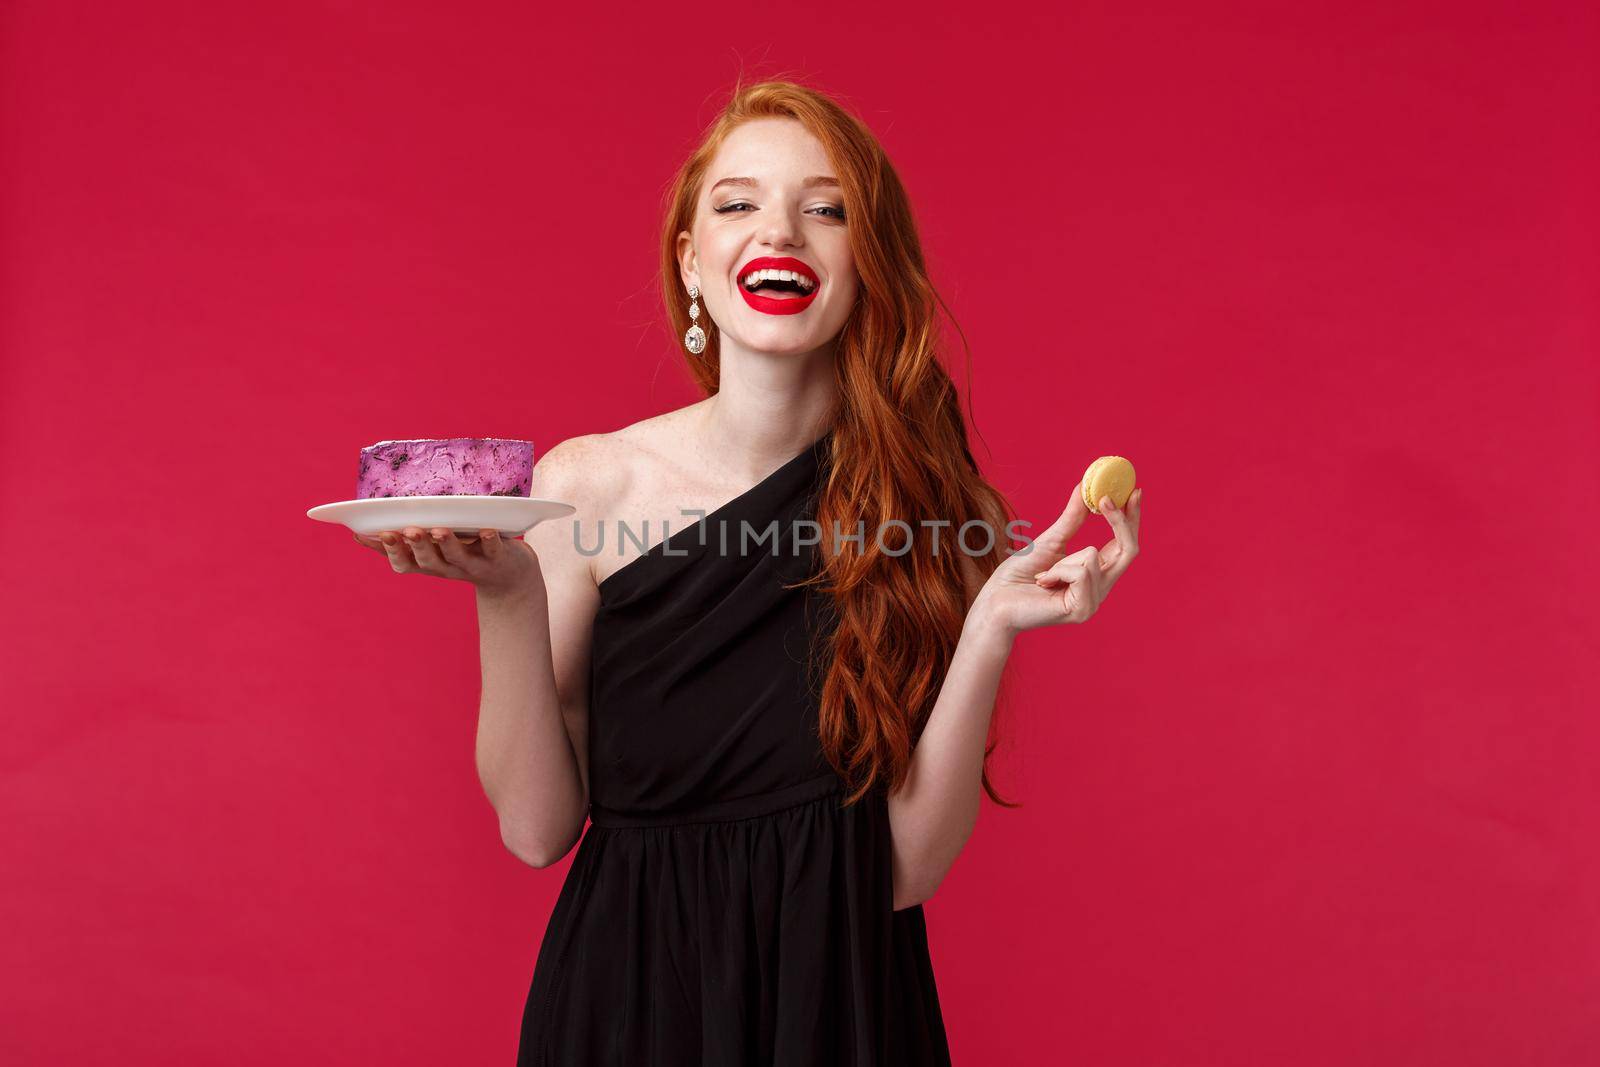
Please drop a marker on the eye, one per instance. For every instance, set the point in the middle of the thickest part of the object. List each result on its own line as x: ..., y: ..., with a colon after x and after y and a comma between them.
x: 838, y: 212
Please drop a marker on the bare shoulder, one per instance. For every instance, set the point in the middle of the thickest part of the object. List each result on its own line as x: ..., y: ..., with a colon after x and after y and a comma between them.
x: 641, y: 453
x: 595, y: 473
x: 595, y: 469
x: 574, y: 471
x: 567, y: 470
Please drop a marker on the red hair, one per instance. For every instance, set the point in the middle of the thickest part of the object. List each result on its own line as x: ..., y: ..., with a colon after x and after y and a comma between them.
x: 898, y: 451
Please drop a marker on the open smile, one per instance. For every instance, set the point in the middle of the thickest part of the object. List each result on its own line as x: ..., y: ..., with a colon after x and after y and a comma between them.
x: 775, y: 285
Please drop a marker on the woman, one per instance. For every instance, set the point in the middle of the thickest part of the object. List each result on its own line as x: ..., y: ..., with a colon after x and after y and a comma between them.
x: 780, y: 749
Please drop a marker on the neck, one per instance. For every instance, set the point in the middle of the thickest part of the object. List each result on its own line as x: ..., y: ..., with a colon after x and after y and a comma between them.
x: 768, y: 405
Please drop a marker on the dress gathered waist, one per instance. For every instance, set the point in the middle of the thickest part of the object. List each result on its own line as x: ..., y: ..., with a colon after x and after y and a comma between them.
x: 731, y: 810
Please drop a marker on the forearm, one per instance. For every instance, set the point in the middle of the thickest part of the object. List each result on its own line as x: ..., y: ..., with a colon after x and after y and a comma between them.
x: 935, y: 811
x: 524, y: 755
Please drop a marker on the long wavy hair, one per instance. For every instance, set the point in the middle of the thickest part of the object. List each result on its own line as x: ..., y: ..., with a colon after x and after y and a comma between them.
x: 898, y: 452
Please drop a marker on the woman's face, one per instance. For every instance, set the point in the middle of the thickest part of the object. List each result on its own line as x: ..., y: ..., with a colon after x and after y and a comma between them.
x: 770, y: 212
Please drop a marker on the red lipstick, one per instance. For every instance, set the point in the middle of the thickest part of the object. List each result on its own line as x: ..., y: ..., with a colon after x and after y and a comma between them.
x: 790, y: 305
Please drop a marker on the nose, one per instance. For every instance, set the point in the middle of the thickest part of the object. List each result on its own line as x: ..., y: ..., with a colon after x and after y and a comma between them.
x: 779, y: 229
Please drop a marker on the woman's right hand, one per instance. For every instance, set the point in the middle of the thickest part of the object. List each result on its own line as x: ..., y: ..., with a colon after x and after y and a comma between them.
x: 493, y: 564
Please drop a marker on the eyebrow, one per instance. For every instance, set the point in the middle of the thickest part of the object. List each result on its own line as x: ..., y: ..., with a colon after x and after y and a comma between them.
x: 814, y: 180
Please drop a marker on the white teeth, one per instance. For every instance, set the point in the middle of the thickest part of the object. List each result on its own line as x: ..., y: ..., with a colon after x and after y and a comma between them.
x: 755, y: 278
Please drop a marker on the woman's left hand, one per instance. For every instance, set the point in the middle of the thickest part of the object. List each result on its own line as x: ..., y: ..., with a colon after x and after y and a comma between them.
x: 1041, y: 585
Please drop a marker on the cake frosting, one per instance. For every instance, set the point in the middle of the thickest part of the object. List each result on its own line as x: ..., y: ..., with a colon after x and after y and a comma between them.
x: 449, y: 466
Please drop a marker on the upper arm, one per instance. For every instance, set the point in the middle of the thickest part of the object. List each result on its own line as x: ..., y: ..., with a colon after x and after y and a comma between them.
x: 564, y: 473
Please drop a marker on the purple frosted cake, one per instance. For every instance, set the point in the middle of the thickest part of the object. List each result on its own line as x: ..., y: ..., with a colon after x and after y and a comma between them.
x: 452, y: 466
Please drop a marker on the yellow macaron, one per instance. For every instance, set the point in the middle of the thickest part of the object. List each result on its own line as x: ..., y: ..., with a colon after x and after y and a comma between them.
x: 1110, y: 476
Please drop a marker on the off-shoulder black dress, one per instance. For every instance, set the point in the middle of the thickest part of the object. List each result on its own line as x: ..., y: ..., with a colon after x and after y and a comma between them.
x: 723, y: 909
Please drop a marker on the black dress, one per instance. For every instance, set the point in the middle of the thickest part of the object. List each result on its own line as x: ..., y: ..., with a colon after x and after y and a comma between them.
x: 723, y: 909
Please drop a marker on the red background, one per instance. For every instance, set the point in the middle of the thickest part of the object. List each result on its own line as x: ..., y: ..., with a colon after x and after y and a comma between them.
x: 1317, y: 786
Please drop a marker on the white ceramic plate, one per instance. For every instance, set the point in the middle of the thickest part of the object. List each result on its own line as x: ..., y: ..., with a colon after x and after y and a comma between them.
x: 512, y: 516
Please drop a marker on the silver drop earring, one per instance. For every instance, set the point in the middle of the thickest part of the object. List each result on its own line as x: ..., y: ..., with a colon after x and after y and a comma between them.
x: 695, y: 339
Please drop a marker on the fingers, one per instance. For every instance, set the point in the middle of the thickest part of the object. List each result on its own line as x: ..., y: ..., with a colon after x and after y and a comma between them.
x: 452, y: 549
x: 368, y: 542
x: 1074, y: 568
x: 1079, y: 583
x: 1054, y: 537
x: 399, y: 554
x: 414, y: 550
x: 429, y: 548
x: 1062, y: 573
x: 1082, y: 582
x: 1131, y: 513
x: 1124, y: 545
